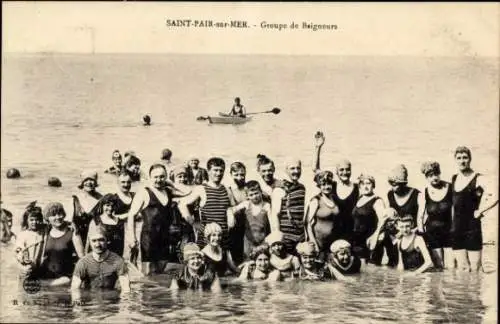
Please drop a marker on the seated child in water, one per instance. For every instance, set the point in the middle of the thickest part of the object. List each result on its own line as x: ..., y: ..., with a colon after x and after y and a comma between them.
x: 30, y: 241
x: 413, y: 253
x: 217, y: 259
x: 287, y: 264
x: 342, y: 262
x: 195, y: 275
x: 114, y: 225
x: 256, y: 217
x: 259, y: 266
x: 310, y: 268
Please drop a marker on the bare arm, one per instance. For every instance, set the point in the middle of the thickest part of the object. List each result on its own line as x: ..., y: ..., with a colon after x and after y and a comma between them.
x: 276, y: 197
x: 310, y: 213
x: 124, y: 283
x: 337, y: 274
x: 230, y: 263
x: 78, y: 244
x: 138, y: 204
x: 320, y: 140
x: 421, y: 212
x: 231, y: 220
x: 488, y: 200
x: 381, y: 216
x: 174, y: 285
x: 215, y: 287
x: 76, y: 282
x: 420, y: 244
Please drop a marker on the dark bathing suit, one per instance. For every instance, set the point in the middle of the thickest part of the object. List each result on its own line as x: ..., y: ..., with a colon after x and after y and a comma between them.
x: 346, y: 206
x: 466, y: 232
x: 256, y: 229
x: 411, y: 257
x: 115, y: 234
x: 326, y: 225
x: 438, y: 223
x: 219, y: 267
x: 154, y: 234
x: 365, y: 223
x: 59, y: 257
x: 186, y: 281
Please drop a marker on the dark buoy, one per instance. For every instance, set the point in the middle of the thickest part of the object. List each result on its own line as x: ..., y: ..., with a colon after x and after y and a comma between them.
x: 54, y: 182
x: 13, y: 173
x: 147, y: 120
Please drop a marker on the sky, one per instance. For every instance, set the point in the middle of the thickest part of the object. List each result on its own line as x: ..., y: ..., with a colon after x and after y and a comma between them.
x: 415, y: 29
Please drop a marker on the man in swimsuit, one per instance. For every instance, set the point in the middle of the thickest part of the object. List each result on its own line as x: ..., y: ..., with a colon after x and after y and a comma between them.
x: 266, y: 169
x: 101, y: 268
x: 471, y: 199
x: 213, y: 202
x: 196, y: 175
x: 237, y: 194
x: 287, y: 207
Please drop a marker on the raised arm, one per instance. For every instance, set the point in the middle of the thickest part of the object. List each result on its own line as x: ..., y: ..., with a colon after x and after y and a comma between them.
x: 319, y: 141
x: 276, y: 197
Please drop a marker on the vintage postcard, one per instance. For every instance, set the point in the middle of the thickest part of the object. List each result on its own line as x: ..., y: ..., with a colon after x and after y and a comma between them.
x: 249, y: 162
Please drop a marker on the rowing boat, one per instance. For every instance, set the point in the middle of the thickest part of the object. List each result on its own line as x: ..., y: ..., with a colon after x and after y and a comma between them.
x: 235, y: 120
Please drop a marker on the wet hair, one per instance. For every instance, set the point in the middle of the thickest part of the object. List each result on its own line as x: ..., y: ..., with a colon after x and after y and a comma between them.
x: 216, y: 162
x: 157, y: 166
x: 252, y: 185
x: 463, y: 149
x: 406, y: 219
x: 323, y: 177
x: 166, y: 154
x: 132, y: 160
x: 262, y: 159
x: 52, y: 209
x: 429, y: 168
x: 258, y: 250
x: 235, y: 166
x: 31, y: 211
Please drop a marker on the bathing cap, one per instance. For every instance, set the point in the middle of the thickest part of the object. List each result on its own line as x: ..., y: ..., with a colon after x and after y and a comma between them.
x: 179, y: 169
x: 87, y: 174
x: 274, y: 237
x: 364, y: 176
x: 430, y: 167
x: 190, y: 249
x: 399, y: 174
x: 339, y: 245
x: 306, y: 248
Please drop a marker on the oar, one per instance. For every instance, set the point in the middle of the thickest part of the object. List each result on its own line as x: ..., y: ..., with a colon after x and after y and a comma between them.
x: 274, y: 111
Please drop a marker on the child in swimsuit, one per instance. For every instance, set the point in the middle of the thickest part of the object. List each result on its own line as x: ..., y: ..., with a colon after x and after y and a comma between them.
x: 287, y: 264
x: 195, y: 275
x: 413, y: 253
x: 30, y: 241
x: 259, y: 267
x: 216, y: 258
x: 256, y: 221
x: 342, y: 262
x: 310, y: 269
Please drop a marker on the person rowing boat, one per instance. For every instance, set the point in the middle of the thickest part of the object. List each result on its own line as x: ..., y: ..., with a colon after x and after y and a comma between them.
x: 238, y: 110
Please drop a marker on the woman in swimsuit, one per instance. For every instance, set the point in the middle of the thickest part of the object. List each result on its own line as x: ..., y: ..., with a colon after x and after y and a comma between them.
x: 287, y: 264
x: 368, y: 218
x: 435, y: 220
x: 342, y: 262
x: 471, y: 199
x: 259, y: 267
x: 322, y: 224
x: 345, y: 193
x: 310, y: 268
x: 84, y: 203
x: 216, y: 258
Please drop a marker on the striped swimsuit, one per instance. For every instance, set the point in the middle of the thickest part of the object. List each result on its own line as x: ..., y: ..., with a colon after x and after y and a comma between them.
x: 214, y: 211
x: 291, y: 216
